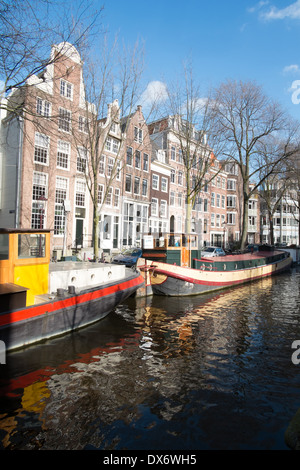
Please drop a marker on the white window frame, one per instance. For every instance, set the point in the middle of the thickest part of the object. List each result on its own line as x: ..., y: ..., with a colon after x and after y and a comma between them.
x: 155, y: 181
x: 42, y: 144
x: 66, y: 89
x: 63, y: 148
x: 164, y: 184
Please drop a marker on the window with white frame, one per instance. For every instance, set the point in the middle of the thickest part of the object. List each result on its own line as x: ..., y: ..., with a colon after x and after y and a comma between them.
x: 80, y: 193
x: 83, y: 124
x: 117, y: 197
x: 252, y: 222
x: 141, y: 219
x: 129, y: 156
x: 138, y: 135
x: 100, y: 193
x: 145, y: 162
x: 179, y: 199
x: 63, y: 155
x: 115, y: 146
x: 66, y: 89
x: 164, y: 184
x: 231, y: 184
x: 43, y: 107
x: 137, y: 159
x: 39, y: 196
x: 212, y: 220
x: 163, y: 208
x: 109, y: 196
x: 173, y: 154
x: 252, y: 204
x: 154, y: 206
x: 212, y: 200
x: 231, y: 201
x: 41, y: 148
x: 223, y: 202
x: 64, y: 120
x: 118, y: 173
x: 218, y: 200
x: 172, y: 198
x: 136, y: 185
x: 112, y: 145
x: 61, y: 191
x: 218, y: 219
x: 102, y: 165
x: 81, y: 159
x: 173, y: 174
x: 180, y: 178
x: 110, y: 166
x: 231, y: 218
x: 155, y: 181
x: 144, y: 187
x: 128, y: 188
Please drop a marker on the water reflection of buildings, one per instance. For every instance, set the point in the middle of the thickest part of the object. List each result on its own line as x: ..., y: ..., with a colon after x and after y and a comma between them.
x: 181, y: 323
x: 164, y: 347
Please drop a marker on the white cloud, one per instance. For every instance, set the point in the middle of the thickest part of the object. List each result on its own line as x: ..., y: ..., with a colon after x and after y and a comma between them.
x: 156, y: 92
x: 291, y: 12
x: 291, y: 69
x: 258, y: 6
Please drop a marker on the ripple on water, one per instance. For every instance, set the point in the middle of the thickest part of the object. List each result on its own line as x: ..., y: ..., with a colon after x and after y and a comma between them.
x: 206, y: 372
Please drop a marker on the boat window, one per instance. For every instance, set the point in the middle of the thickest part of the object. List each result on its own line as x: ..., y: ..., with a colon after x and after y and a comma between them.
x: 4, y: 246
x: 31, y: 245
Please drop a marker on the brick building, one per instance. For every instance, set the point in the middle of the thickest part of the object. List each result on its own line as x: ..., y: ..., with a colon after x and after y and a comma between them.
x: 43, y: 184
x: 45, y: 159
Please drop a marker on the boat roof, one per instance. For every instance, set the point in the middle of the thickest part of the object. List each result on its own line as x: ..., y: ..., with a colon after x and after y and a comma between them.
x: 243, y: 256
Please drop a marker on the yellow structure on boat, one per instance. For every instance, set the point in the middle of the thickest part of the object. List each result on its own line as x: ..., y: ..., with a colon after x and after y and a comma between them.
x: 24, y: 261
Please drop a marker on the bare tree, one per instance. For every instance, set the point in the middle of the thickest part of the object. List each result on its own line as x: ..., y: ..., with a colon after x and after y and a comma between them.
x: 271, y: 194
x: 29, y: 28
x: 293, y: 175
x: 191, y: 127
x: 244, y: 117
x: 111, y: 92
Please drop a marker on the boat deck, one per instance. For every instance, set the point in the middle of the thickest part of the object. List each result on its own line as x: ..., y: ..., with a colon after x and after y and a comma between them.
x: 82, y: 275
x: 75, y: 265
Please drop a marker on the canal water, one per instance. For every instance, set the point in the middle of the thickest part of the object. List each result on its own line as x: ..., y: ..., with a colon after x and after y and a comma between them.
x: 206, y: 372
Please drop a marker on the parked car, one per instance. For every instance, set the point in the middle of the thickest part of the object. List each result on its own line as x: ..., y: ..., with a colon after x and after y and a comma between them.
x: 251, y: 248
x: 211, y: 251
x: 128, y: 257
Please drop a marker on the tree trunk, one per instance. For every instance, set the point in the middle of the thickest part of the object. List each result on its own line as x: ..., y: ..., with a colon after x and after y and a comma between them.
x: 271, y: 228
x: 95, y: 219
x: 245, y: 221
x: 96, y: 234
x: 188, y: 217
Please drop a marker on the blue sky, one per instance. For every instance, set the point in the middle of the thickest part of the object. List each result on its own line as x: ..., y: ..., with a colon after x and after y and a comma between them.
x: 236, y: 39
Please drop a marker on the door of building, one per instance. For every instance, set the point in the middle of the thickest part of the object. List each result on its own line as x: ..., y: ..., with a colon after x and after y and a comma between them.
x: 79, y: 233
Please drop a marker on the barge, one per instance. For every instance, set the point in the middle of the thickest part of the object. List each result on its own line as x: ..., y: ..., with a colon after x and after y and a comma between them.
x: 172, y: 265
x: 40, y: 299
